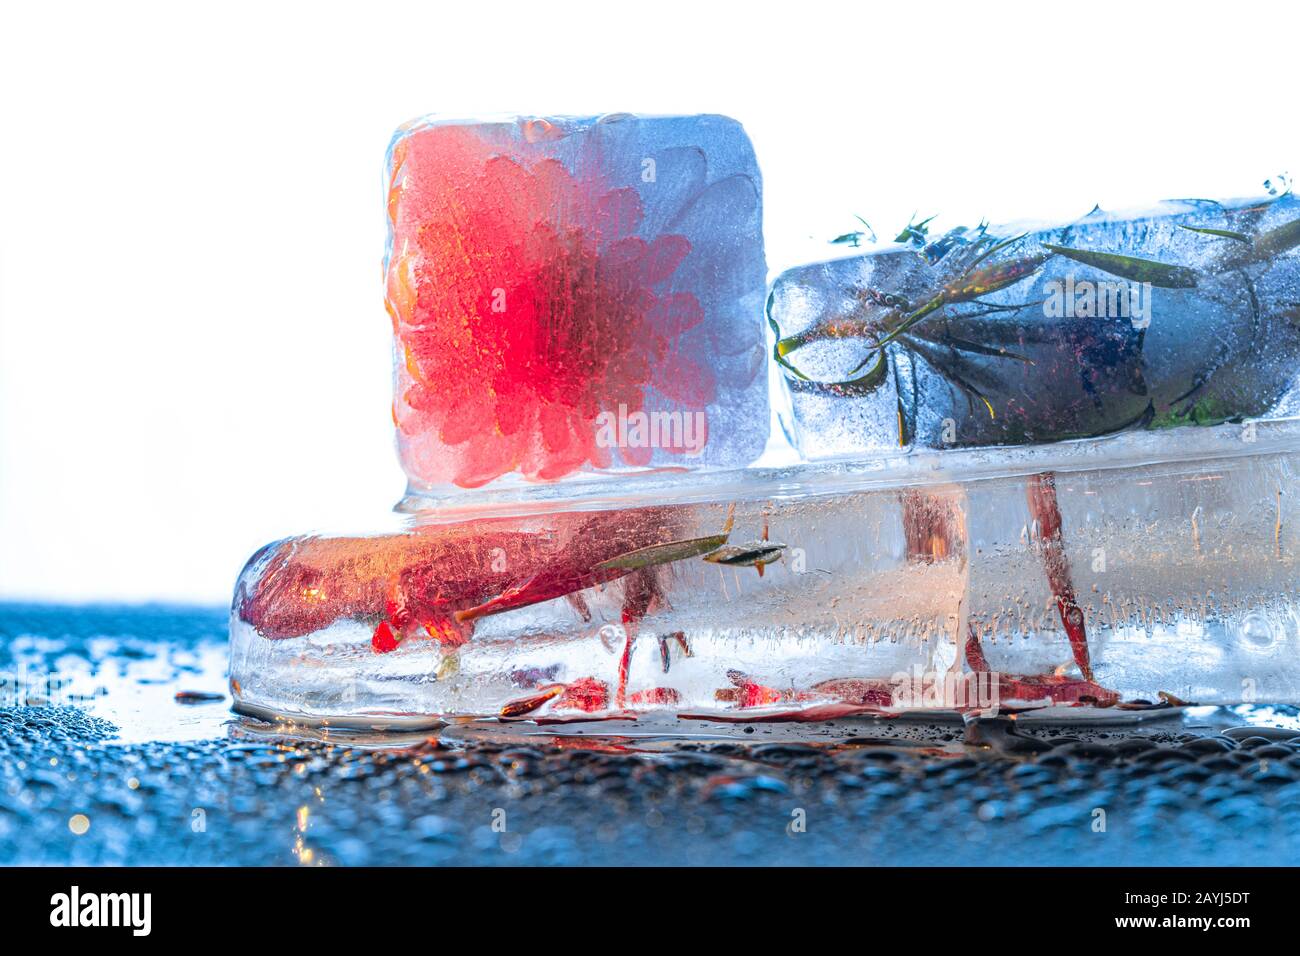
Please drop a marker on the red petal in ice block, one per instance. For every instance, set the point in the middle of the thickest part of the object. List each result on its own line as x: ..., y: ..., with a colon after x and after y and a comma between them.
x: 384, y: 640
x: 586, y: 694
x: 657, y: 696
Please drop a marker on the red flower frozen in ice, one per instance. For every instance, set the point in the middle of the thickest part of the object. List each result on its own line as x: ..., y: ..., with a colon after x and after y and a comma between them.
x: 525, y: 306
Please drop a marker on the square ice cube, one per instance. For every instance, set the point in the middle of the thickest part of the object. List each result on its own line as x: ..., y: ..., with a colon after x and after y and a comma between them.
x: 575, y: 294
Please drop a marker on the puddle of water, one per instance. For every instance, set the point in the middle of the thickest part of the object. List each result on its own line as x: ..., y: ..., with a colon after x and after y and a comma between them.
x: 125, y: 665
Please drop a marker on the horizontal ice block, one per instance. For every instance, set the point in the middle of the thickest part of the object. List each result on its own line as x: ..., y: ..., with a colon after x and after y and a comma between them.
x: 575, y: 294
x: 1188, y: 314
x: 1090, y: 576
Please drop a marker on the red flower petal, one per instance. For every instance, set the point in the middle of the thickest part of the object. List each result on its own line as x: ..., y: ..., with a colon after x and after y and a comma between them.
x: 383, y: 639
x: 525, y: 307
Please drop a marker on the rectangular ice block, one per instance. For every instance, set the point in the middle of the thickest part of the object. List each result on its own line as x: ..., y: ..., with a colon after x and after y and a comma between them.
x: 1080, y: 578
x: 1186, y: 314
x: 575, y: 294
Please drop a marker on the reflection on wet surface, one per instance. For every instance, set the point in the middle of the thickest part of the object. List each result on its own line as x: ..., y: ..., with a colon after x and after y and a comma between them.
x: 100, y: 762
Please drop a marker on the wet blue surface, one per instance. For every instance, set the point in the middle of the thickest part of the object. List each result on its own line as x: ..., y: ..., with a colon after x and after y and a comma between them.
x: 99, y: 763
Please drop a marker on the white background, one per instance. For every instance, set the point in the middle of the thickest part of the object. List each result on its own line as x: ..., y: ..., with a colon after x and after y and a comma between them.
x: 194, y: 355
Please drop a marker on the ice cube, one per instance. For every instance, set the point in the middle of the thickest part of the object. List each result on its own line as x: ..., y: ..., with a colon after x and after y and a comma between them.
x: 1186, y: 314
x: 575, y: 294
